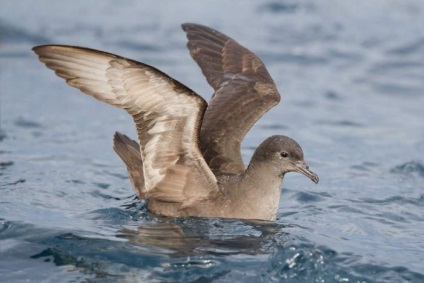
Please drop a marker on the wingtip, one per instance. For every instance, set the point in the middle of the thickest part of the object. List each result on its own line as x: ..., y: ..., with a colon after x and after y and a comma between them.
x: 118, y: 142
x: 117, y: 134
x: 186, y: 26
x: 189, y: 26
x: 118, y: 137
x: 38, y: 47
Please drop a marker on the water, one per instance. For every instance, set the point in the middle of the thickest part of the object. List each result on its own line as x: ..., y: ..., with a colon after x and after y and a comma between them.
x: 352, y: 80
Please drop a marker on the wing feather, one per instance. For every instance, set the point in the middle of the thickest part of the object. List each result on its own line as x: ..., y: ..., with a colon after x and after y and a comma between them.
x: 167, y: 116
x: 244, y: 91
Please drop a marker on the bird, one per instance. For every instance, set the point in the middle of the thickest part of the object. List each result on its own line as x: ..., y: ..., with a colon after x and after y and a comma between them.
x: 187, y: 161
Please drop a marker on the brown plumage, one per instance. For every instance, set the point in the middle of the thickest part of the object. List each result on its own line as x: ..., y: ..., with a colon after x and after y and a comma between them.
x: 167, y: 167
x: 241, y: 82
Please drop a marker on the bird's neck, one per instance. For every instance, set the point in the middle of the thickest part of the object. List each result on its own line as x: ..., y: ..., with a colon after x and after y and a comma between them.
x: 261, y: 188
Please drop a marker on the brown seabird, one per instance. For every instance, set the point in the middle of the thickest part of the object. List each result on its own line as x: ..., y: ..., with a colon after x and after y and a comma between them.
x: 188, y: 160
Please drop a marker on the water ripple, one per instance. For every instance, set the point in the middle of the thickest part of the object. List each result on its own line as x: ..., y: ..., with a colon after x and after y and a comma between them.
x: 409, y: 168
x: 414, y: 47
x: 10, y: 33
x: 4, y: 165
x: 307, y: 197
x: 393, y: 200
x: 278, y: 7
x: 25, y: 123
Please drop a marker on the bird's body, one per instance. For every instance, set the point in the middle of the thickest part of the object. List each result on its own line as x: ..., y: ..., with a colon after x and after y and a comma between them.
x: 188, y: 160
x: 258, y: 186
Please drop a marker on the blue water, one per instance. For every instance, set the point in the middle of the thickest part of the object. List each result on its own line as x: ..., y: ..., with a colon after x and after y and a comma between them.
x: 351, y: 75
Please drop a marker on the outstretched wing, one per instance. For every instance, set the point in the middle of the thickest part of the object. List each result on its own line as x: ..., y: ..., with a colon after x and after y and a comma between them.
x: 244, y: 91
x: 167, y: 115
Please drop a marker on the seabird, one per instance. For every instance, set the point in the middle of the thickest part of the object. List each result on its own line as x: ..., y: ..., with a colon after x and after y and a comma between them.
x: 188, y: 159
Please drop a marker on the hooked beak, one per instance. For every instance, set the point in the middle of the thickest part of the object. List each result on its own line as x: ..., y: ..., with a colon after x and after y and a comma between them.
x: 301, y: 167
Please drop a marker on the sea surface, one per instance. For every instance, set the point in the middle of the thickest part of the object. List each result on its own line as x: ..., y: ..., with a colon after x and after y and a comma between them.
x: 351, y: 75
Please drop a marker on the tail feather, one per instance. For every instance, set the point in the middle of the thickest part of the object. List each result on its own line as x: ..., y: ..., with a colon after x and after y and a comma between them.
x: 129, y: 151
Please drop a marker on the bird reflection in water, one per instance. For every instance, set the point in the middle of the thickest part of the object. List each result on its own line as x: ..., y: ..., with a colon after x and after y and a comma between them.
x: 201, y: 236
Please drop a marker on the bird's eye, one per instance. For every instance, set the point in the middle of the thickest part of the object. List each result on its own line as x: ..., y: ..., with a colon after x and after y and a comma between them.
x: 284, y: 154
